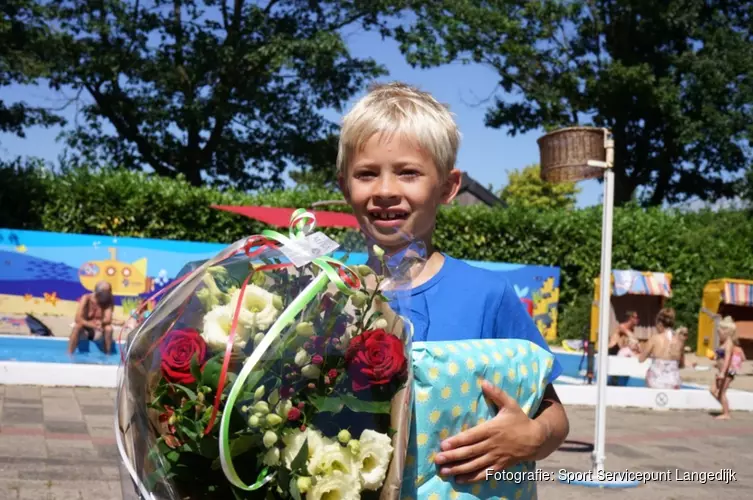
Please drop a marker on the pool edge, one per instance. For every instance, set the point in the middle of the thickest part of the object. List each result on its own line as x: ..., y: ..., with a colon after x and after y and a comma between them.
x: 58, y: 374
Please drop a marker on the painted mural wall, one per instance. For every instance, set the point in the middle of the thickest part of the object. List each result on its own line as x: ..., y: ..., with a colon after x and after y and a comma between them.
x: 45, y: 274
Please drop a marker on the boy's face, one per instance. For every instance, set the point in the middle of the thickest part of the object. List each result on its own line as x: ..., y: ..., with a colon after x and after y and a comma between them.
x: 395, y: 189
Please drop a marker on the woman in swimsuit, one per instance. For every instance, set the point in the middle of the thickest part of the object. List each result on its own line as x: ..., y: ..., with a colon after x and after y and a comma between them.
x: 729, y: 360
x: 666, y: 350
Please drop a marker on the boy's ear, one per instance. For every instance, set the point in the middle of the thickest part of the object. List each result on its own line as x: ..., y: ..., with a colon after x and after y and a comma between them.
x: 451, y: 186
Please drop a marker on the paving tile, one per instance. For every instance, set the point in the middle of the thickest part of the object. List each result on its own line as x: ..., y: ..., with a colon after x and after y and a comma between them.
x: 71, y: 449
x: 677, y: 449
x: 22, y: 402
x: 18, y: 447
x: 66, y: 427
x: 108, y: 452
x: 10, y: 489
x: 61, y: 409
x: 58, y: 392
x: 97, y: 410
x: 22, y: 415
x: 23, y: 392
x: 625, y: 451
x: 101, y: 432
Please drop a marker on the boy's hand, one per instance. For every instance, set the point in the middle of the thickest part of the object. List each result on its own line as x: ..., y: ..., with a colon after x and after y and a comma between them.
x: 507, y: 439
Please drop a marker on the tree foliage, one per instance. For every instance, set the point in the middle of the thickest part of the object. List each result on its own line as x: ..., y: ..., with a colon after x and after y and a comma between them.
x: 527, y: 189
x: 673, y: 80
x: 224, y: 92
x: 23, y: 52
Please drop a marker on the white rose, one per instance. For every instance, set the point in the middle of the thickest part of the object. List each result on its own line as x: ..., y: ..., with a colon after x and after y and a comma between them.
x: 294, y: 440
x: 216, y: 329
x: 335, y: 485
x: 332, y: 458
x: 258, y: 309
x: 374, y: 458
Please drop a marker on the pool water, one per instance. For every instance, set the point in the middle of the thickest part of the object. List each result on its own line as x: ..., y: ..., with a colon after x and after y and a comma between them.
x: 574, y: 366
x: 55, y: 350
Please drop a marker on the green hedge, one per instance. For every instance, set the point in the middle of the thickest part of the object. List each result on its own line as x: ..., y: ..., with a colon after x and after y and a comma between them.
x: 694, y: 247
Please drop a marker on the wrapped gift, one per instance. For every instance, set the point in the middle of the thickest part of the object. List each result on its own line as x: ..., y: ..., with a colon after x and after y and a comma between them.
x: 449, y: 400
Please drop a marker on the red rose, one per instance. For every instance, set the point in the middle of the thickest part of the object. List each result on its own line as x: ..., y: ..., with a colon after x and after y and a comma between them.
x: 375, y: 359
x: 177, y: 351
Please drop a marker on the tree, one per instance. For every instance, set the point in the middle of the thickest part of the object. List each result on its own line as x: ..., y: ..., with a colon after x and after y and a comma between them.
x: 226, y: 93
x: 746, y: 189
x: 22, y: 40
x: 673, y: 80
x: 526, y: 188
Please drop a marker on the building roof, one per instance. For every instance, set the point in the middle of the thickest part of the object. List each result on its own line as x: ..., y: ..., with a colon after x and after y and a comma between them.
x: 472, y: 187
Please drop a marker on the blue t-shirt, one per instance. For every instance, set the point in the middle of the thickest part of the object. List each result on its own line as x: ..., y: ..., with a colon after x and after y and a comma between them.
x: 463, y: 302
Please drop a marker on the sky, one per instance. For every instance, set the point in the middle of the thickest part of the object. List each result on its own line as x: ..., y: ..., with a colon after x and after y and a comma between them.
x: 486, y: 154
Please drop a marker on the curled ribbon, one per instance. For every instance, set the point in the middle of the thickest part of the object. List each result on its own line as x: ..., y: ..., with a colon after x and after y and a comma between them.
x: 346, y: 279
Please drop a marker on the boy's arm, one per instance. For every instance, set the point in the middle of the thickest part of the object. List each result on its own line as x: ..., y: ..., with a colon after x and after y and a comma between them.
x: 552, y: 417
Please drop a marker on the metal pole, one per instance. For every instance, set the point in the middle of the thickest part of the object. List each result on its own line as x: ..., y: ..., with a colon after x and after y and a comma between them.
x: 605, y: 295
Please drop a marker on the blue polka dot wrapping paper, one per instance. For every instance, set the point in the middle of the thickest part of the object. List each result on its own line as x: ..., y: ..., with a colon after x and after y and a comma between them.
x: 448, y: 400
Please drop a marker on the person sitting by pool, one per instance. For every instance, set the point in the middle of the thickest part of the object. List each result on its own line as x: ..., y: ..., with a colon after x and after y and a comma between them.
x: 623, y: 343
x: 94, y: 317
x: 666, y: 349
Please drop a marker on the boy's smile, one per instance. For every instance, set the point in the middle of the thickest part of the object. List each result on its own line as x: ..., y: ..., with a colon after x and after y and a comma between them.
x: 395, y: 189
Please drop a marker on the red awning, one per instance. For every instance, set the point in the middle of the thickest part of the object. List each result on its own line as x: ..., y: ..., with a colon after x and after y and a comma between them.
x: 280, y: 217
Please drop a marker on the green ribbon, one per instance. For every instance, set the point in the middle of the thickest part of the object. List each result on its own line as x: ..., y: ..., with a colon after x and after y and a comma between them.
x: 302, y: 223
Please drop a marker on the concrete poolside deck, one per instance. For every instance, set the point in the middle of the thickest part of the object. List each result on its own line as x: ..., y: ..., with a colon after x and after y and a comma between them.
x: 58, y: 444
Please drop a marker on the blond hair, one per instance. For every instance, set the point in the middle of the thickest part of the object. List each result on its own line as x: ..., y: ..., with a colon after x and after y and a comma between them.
x: 398, y: 108
x: 728, y: 328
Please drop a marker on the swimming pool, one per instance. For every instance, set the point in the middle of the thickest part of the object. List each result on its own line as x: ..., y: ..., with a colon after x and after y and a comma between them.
x: 574, y: 368
x: 55, y: 350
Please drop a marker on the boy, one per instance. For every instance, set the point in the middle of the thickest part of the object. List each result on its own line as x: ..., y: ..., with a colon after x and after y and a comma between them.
x: 396, y: 166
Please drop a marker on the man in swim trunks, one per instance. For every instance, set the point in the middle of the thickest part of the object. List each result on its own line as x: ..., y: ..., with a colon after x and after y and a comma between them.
x: 624, y: 335
x: 94, y: 317
x: 624, y: 343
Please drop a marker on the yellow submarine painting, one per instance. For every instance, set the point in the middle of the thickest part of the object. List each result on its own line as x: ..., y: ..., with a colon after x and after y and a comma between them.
x: 126, y: 280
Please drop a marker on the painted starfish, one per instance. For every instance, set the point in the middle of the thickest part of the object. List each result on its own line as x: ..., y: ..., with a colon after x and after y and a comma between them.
x: 52, y: 298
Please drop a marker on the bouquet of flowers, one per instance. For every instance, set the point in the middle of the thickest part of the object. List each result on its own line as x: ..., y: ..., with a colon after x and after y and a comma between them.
x: 272, y: 371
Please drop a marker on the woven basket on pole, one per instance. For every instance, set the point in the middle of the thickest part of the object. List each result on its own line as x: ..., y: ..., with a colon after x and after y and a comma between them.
x: 565, y: 154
